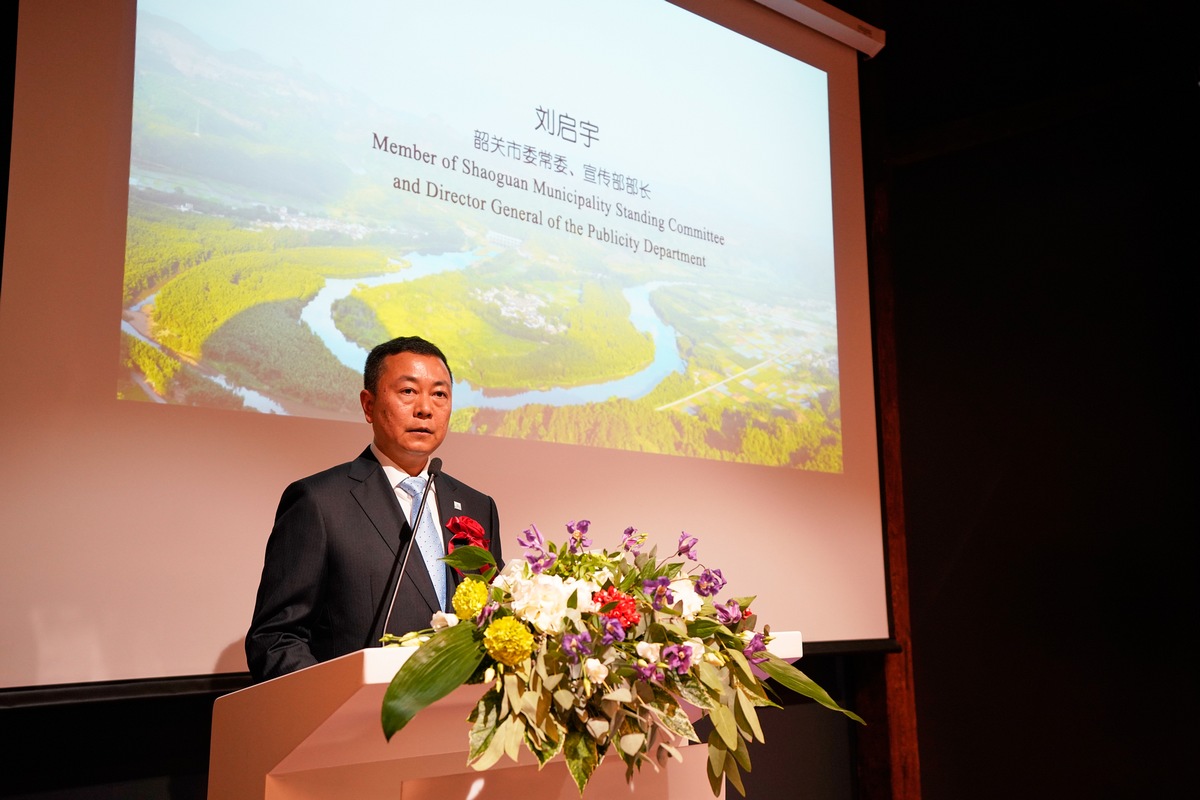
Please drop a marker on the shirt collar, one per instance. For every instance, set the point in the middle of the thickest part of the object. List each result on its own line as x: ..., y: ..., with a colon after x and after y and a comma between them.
x: 394, y: 472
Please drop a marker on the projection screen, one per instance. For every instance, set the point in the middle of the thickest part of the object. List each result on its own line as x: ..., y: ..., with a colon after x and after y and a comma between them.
x: 636, y: 228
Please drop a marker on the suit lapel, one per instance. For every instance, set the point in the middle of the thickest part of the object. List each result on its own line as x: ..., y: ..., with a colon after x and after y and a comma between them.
x: 449, y: 507
x: 447, y: 497
x: 377, y: 498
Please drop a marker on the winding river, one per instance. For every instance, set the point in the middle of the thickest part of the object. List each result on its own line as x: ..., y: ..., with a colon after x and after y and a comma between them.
x: 318, y: 315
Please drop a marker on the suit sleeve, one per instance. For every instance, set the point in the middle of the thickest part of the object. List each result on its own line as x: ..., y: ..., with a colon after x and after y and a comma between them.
x: 494, y: 545
x: 489, y: 519
x: 289, y: 592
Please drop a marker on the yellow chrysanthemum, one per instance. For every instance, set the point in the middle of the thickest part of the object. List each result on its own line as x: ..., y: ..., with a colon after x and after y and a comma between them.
x: 469, y: 598
x: 508, y: 641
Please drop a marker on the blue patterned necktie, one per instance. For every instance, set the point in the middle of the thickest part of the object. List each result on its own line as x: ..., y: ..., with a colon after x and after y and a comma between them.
x: 427, y: 537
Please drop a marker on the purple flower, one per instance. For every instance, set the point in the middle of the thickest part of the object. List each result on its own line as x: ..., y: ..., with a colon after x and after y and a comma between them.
x: 651, y: 672
x: 540, y: 561
x: 535, y: 550
x: 678, y: 657
x: 577, y: 646
x: 632, y: 541
x: 709, y: 583
x: 532, y: 538
x: 686, y: 545
x: 659, y: 591
x: 613, y: 631
x: 577, y: 532
x: 729, y: 613
x: 755, y: 646
x: 485, y: 614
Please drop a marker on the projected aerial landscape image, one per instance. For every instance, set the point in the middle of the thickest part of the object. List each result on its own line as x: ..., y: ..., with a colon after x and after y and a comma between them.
x: 601, y: 269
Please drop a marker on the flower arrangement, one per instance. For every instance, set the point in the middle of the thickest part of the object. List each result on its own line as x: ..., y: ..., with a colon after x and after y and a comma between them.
x: 588, y: 653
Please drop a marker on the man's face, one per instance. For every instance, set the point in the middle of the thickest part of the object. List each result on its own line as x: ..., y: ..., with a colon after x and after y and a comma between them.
x: 410, y: 408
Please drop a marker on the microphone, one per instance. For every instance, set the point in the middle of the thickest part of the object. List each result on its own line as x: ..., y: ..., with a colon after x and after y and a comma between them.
x: 434, y: 469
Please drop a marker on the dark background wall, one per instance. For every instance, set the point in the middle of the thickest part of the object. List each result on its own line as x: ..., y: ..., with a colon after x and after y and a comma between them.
x: 1040, y: 168
x: 1033, y: 178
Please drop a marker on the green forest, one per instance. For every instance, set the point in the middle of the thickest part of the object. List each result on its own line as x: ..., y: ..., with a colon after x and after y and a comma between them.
x: 225, y: 292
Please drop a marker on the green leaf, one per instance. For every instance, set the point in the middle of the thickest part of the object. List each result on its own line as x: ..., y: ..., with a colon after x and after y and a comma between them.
x: 710, y: 676
x: 703, y: 628
x: 675, y: 626
x: 438, y: 667
x: 495, y: 747
x: 597, y: 727
x: 694, y: 692
x: 666, y: 751
x: 716, y: 763
x: 632, y: 743
x: 738, y: 660
x: 512, y: 730
x: 620, y: 694
x: 734, y: 776
x: 579, y: 750
x: 484, y: 717
x: 676, y: 721
x: 469, y: 557
x: 741, y: 755
x: 512, y: 694
x: 725, y: 725
x: 546, y: 746
x: 565, y: 698
x: 531, y: 702
x: 757, y: 693
x: 798, y: 682
x: 747, y: 717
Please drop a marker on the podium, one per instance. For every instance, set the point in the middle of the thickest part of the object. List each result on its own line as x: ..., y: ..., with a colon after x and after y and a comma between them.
x: 316, y: 735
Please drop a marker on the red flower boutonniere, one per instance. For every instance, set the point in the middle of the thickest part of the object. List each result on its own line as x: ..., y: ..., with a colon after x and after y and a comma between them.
x: 465, y: 531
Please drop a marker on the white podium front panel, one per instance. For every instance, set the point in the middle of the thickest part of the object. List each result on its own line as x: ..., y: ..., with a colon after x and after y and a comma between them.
x: 317, y: 735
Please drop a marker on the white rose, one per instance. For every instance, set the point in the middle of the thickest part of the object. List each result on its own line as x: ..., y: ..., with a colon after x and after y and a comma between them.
x: 584, y: 590
x: 687, y: 602
x: 596, y: 671
x: 541, y: 601
x: 443, y: 620
x: 602, y: 576
x: 649, y: 651
x: 515, y: 570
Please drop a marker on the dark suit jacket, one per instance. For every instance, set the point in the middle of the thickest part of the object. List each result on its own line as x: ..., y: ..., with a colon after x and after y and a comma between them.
x: 330, y: 565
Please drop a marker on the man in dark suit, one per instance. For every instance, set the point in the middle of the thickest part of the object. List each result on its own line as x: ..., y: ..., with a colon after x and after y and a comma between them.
x: 329, y: 573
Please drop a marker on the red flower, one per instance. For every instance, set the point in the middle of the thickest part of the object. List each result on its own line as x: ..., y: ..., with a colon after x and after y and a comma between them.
x: 466, y: 531
x: 625, y: 610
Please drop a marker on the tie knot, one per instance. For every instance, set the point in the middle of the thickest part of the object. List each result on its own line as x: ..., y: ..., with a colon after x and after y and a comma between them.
x: 413, y: 486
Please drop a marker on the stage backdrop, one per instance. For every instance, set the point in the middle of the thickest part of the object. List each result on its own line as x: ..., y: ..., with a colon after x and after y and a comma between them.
x: 635, y: 228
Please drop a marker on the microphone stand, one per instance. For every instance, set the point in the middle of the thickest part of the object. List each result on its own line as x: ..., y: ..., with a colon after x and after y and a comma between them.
x: 401, y: 560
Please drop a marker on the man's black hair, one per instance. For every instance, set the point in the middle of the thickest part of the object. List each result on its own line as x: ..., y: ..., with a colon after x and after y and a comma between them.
x: 401, y: 344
